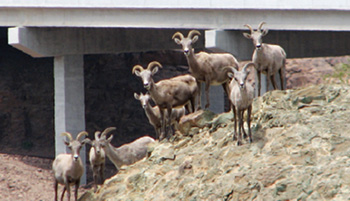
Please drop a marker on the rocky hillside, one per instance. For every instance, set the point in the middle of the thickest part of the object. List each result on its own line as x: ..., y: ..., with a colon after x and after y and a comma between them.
x: 301, y: 151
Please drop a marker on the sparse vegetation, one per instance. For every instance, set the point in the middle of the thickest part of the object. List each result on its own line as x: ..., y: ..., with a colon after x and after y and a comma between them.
x: 340, y: 75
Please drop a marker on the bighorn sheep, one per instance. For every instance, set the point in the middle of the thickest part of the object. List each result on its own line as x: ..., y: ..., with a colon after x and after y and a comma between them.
x: 97, y: 159
x: 68, y: 168
x: 168, y: 93
x: 126, y: 154
x: 268, y: 58
x: 205, y: 67
x: 241, y: 98
x: 153, y: 113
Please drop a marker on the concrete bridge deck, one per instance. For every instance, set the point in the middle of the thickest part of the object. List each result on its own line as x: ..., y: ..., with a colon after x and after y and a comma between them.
x: 198, y: 14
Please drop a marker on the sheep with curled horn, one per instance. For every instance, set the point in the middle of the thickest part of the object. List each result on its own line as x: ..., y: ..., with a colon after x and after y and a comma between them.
x: 126, y: 154
x: 268, y: 58
x: 205, y: 67
x: 68, y: 168
x: 167, y: 93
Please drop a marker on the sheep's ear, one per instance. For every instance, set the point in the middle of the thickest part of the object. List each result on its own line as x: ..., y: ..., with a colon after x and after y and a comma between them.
x: 110, y: 139
x: 246, y: 67
x: 154, y: 70
x: 66, y: 142
x: 264, y: 32
x: 230, y: 74
x: 177, y: 41
x: 194, y: 39
x: 247, y: 35
x: 137, y: 97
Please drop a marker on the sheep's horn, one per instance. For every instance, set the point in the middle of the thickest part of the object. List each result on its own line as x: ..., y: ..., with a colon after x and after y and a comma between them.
x: 229, y: 68
x: 249, y: 27
x: 247, y: 65
x: 178, y: 34
x: 137, y: 68
x: 154, y: 64
x: 107, y: 130
x: 67, y: 135
x: 260, y: 25
x: 81, y: 134
x: 97, y: 133
x: 193, y: 33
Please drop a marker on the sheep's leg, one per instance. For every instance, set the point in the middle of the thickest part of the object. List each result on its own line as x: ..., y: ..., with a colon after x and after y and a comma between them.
x: 192, y: 105
x: 259, y: 81
x: 102, y: 173
x: 55, y: 186
x: 273, y: 81
x: 176, y: 125
x: 76, y: 189
x: 244, y: 133
x: 268, y: 76
x: 235, y: 124
x: 240, y: 121
x: 162, y: 130
x: 248, y: 121
x: 68, y: 192
x: 94, y: 173
x: 199, y: 86
x: 189, y: 106
x: 157, y: 130
x: 64, y: 190
x: 281, y: 72
x: 207, y: 85
x: 169, y: 109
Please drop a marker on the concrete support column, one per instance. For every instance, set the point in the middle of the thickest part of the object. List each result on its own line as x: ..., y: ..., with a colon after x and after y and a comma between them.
x: 69, y: 101
x: 216, y: 98
x: 229, y: 41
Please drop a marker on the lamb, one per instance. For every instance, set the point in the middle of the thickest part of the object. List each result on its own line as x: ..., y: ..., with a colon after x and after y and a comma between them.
x: 241, y: 98
x: 97, y: 158
x: 153, y: 113
x: 68, y: 168
x: 268, y: 58
x: 168, y: 93
x: 205, y: 67
x: 126, y: 154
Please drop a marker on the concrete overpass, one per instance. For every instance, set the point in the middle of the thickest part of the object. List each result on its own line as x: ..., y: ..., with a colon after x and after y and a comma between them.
x: 66, y: 30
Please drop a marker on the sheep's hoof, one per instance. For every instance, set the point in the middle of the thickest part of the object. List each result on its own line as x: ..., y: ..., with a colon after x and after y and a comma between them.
x: 207, y: 105
x: 239, y: 143
x: 245, y: 136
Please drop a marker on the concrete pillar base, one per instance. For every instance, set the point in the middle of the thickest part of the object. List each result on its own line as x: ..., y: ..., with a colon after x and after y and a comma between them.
x: 69, y: 101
